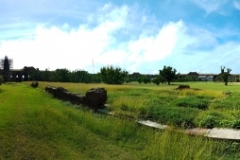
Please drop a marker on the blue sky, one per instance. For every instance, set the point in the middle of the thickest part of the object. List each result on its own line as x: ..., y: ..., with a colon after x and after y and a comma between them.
x: 139, y: 36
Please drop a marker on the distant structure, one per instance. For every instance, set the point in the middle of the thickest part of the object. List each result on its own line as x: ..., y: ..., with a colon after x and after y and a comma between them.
x: 17, y: 75
x: 210, y: 76
x: 195, y: 75
x: 6, y: 65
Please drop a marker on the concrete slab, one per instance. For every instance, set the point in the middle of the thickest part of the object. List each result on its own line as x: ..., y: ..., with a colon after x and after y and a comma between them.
x: 216, y: 133
x: 224, y: 133
x: 151, y: 124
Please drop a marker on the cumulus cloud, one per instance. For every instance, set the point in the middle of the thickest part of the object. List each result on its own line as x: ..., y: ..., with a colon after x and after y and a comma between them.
x: 61, y: 47
x: 121, y: 36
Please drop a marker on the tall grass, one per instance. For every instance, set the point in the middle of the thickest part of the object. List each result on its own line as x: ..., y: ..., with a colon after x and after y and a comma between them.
x: 166, y: 105
x: 35, y: 126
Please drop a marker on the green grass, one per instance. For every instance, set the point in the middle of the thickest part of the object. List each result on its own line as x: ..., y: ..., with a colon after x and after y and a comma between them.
x: 164, y: 104
x: 33, y: 125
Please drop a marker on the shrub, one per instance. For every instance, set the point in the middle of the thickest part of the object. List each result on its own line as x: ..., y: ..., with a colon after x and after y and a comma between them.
x: 226, y: 123
x: 236, y: 124
x: 192, y: 102
x: 173, y: 115
x: 208, y: 122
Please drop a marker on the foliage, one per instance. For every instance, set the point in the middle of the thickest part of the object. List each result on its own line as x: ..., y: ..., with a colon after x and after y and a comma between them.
x: 1, y: 80
x: 230, y: 102
x: 208, y: 122
x: 146, y: 79
x: 35, y: 126
x: 192, y: 102
x: 188, y: 79
x: 225, y: 75
x: 36, y: 76
x: 236, y: 124
x: 168, y: 73
x: 139, y: 80
x: 111, y: 75
x: 159, y: 79
x: 173, y: 115
x: 80, y: 76
x: 133, y: 77
x: 63, y: 75
x: 161, y: 103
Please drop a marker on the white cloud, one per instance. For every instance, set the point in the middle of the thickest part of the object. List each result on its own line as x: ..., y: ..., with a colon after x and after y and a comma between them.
x: 56, y: 48
x: 60, y: 47
x: 155, y: 48
x: 236, y: 5
x: 210, y: 5
x: 110, y: 38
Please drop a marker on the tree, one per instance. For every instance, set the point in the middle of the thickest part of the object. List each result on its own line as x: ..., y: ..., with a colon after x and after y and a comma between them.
x: 146, y: 79
x: 225, y: 75
x: 168, y: 73
x: 1, y: 79
x: 111, y: 75
x: 80, y: 76
x: 36, y: 75
x: 60, y: 75
x: 157, y: 80
x: 139, y: 80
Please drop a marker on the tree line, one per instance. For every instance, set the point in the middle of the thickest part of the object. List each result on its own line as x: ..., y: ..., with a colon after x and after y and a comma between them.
x: 65, y: 75
x: 167, y: 74
x: 108, y: 75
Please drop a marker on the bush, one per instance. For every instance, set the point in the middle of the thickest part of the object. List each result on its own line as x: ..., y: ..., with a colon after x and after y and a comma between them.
x: 236, y: 124
x: 173, y: 115
x: 208, y: 122
x: 146, y: 79
x: 192, y: 102
x: 226, y: 123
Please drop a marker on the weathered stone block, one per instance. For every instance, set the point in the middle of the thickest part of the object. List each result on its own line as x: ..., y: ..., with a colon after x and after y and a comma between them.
x: 34, y: 84
x: 96, y: 98
x: 181, y: 87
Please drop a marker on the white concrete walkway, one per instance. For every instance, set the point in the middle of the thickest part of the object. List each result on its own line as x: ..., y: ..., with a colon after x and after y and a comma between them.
x: 216, y: 133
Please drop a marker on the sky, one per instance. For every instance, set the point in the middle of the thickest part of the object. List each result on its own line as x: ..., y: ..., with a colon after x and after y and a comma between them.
x: 137, y: 35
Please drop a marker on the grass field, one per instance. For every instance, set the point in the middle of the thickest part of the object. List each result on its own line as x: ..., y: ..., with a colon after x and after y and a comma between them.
x: 208, y: 106
x: 33, y: 125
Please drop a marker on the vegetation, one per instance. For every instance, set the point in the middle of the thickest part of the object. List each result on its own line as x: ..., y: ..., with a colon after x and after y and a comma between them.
x: 168, y: 73
x: 64, y: 75
x: 164, y: 104
x: 111, y: 75
x: 1, y: 80
x: 225, y: 75
x: 159, y: 79
x: 33, y: 125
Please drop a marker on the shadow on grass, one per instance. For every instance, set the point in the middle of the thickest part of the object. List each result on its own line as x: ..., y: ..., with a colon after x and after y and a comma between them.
x: 1, y: 90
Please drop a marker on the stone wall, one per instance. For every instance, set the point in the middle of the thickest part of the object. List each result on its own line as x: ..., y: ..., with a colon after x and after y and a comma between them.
x: 95, y: 98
